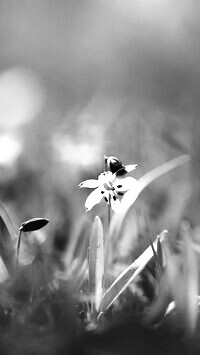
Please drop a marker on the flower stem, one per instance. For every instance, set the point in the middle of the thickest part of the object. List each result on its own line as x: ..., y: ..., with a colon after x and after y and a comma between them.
x: 107, y: 255
x: 18, y: 246
x: 109, y: 213
x: 107, y: 250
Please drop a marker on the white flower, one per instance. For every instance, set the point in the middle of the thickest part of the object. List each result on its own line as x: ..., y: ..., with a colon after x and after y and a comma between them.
x: 109, y: 187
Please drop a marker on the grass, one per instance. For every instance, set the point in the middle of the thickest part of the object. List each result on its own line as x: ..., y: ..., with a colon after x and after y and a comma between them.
x: 84, y: 301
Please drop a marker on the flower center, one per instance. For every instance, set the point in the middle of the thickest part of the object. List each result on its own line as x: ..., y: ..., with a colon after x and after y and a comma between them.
x: 109, y: 187
x: 107, y: 180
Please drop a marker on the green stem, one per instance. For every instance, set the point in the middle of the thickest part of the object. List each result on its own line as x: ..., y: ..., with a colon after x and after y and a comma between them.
x: 107, y: 254
x: 18, y: 246
x: 109, y: 213
x: 107, y: 250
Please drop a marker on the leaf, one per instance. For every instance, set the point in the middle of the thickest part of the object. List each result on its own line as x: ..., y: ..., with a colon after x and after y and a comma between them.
x: 131, y: 195
x: 96, y: 261
x: 33, y: 224
x: 8, y: 222
x: 155, y: 313
x: 183, y: 277
x: 171, y: 307
x: 190, y: 278
x: 81, y: 275
x: 160, y: 255
x: 76, y: 239
x: 152, y: 175
x: 126, y: 277
x: 78, y: 251
x: 4, y: 275
x: 8, y: 234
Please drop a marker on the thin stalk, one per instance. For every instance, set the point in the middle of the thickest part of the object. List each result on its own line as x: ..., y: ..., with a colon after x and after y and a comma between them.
x: 107, y: 254
x: 109, y: 204
x: 109, y: 212
x: 18, y: 246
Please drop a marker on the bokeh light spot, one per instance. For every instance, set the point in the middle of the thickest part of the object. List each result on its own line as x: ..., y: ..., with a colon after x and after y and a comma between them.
x: 10, y: 149
x: 21, y: 97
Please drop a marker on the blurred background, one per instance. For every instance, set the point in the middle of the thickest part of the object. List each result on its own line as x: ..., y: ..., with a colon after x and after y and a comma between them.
x: 80, y: 79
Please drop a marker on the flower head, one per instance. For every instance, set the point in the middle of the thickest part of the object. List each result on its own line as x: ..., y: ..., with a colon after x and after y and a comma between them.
x: 109, y: 186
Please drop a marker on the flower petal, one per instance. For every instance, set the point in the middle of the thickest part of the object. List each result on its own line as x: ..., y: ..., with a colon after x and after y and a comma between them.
x: 129, y: 168
x: 105, y: 177
x: 115, y: 204
x: 106, y: 196
x: 125, y: 184
x: 93, y: 199
x: 91, y: 184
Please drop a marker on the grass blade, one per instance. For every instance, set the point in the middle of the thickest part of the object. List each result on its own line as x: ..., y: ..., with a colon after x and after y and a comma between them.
x: 8, y: 236
x: 190, y: 278
x: 96, y: 262
x: 8, y: 222
x: 160, y: 254
x: 76, y: 239
x: 126, y: 277
x: 131, y: 196
x: 183, y: 278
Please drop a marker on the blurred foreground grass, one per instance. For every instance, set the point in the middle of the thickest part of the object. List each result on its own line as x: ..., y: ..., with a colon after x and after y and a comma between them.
x: 117, y: 291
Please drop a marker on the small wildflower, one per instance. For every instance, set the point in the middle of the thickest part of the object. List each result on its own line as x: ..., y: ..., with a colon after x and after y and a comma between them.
x: 108, y: 186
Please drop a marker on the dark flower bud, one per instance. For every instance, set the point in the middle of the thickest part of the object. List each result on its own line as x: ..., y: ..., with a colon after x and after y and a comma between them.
x: 33, y: 224
x: 113, y: 164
